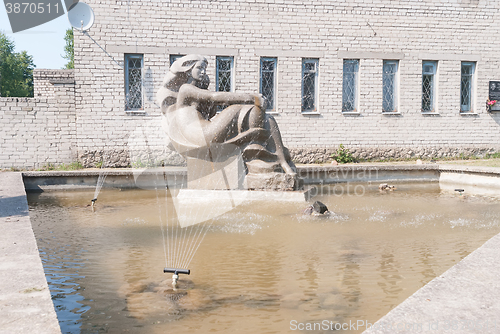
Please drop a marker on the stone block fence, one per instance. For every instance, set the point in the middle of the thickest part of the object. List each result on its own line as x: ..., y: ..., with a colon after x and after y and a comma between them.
x: 46, y: 130
x: 40, y: 130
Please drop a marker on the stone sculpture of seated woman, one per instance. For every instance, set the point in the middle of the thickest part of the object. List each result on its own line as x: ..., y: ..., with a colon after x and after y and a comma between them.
x: 195, y: 128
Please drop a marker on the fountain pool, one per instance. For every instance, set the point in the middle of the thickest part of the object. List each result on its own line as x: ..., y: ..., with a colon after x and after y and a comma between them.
x: 261, y: 268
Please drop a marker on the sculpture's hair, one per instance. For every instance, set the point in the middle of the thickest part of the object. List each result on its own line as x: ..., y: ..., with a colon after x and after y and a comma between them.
x: 186, y: 63
x: 177, y: 76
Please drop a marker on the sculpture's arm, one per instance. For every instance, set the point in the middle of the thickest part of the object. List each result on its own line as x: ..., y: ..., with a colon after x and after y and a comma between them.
x: 189, y: 94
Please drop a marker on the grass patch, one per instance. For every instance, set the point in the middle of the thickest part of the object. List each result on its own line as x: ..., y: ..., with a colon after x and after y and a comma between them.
x: 72, y: 166
x: 493, y: 155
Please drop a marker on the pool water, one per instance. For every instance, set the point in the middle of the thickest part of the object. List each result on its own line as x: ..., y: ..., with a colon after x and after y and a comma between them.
x: 261, y: 268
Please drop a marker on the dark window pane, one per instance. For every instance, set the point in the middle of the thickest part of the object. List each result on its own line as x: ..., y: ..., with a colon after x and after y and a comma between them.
x: 267, y: 84
x: 389, y: 103
x: 349, y: 82
x: 427, y: 92
x: 133, y: 89
x: 466, y: 87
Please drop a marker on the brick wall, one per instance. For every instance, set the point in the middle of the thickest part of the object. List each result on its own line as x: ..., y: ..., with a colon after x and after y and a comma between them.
x: 40, y: 130
x: 411, y: 31
x: 82, y: 115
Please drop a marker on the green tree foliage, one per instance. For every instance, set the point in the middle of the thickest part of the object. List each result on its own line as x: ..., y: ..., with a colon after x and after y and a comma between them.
x: 69, y: 49
x: 16, y: 70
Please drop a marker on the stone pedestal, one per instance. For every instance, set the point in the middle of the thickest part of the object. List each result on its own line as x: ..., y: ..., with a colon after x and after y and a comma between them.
x: 227, y: 174
x: 272, y: 181
x: 223, y: 168
x: 231, y: 175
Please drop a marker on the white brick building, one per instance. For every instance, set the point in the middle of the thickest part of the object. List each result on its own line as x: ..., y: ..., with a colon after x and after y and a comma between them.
x: 327, y: 59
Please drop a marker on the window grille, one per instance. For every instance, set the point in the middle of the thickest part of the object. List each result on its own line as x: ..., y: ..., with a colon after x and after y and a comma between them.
x: 268, y: 81
x: 133, y: 82
x: 224, y: 77
x: 428, y: 86
x: 390, y: 86
x: 309, y: 84
x: 466, y: 86
x: 350, y: 85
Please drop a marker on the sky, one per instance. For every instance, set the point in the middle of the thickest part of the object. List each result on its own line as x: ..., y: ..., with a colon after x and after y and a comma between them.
x: 44, y: 42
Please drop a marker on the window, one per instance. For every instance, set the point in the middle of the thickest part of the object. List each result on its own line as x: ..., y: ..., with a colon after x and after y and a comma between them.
x: 467, y: 86
x: 350, y: 85
x: 268, y: 81
x: 133, y: 81
x: 224, y: 76
x: 174, y: 58
x: 390, y: 85
x: 310, y: 85
x: 429, y: 86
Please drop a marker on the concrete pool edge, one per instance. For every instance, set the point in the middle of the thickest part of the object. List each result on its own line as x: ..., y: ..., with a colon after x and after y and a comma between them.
x: 25, y: 302
x: 464, y: 299
x: 405, y: 173
x: 474, y: 180
x: 144, y: 178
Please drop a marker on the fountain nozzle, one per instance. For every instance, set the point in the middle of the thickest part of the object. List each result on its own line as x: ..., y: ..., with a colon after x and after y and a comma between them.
x: 177, y: 271
x: 175, y: 276
x: 93, y: 202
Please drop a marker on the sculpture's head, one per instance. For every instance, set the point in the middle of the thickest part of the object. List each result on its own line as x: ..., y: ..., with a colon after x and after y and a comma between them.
x: 183, y: 70
x: 190, y: 66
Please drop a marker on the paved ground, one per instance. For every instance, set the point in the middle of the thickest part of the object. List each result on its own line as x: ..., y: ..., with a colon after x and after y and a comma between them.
x: 474, y: 162
x: 25, y: 303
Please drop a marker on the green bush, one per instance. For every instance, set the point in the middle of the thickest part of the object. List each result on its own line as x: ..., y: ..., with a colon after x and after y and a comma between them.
x: 343, y: 155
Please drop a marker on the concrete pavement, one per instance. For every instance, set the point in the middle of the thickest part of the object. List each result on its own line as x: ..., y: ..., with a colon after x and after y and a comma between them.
x: 25, y: 302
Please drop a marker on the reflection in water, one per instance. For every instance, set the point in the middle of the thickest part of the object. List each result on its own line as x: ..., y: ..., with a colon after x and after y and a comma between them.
x: 64, y: 288
x: 391, y: 279
x: 427, y: 261
x: 259, y: 268
x: 351, y: 276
